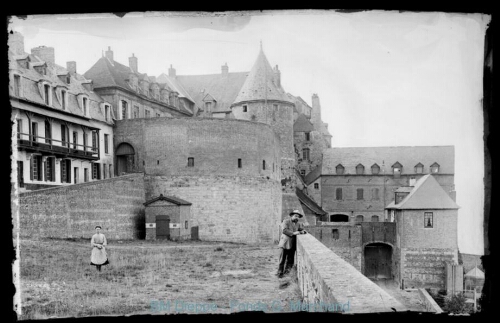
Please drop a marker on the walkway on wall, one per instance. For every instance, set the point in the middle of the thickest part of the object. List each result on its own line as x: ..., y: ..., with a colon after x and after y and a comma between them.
x: 411, y: 299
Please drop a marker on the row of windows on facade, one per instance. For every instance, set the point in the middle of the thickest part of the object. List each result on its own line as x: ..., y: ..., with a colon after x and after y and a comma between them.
x: 47, y: 96
x: 171, y: 98
x: 240, y: 163
x: 136, y: 112
x: 65, y: 139
x: 42, y: 169
x: 396, y: 169
x: 360, y: 193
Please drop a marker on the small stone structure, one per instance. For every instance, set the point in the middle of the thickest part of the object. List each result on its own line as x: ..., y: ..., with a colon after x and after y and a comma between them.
x: 176, y: 210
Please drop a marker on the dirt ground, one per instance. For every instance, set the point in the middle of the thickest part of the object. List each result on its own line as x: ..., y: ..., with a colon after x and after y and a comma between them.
x: 409, y: 298
x: 151, y: 278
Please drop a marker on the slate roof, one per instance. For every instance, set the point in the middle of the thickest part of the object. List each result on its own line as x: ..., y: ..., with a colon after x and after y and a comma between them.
x: 261, y: 84
x: 426, y: 195
x: 408, y: 156
x: 174, y: 84
x: 171, y: 199
x: 309, y: 203
x: 313, y: 175
x: 302, y: 124
x: 223, y: 88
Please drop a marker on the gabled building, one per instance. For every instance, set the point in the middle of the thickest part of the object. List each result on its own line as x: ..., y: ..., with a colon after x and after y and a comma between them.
x: 63, y: 129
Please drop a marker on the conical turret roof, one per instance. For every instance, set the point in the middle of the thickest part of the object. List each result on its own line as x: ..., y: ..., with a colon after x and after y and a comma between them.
x: 261, y: 83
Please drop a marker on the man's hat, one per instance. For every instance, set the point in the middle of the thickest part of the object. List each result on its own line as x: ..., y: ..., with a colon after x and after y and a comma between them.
x: 98, y: 226
x: 296, y: 212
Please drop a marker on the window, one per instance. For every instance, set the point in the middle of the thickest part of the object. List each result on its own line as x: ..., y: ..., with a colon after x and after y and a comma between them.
x: 96, y: 174
x: 185, y: 224
x: 375, y: 218
x: 375, y: 194
x: 136, y: 112
x: 419, y: 168
x: 17, y: 85
x: 359, y: 193
x: 65, y: 171
x: 339, y: 169
x: 46, y: 91
x: 428, y: 221
x: 104, y: 170
x: 147, y: 113
x: 50, y: 169
x: 305, y: 153
x: 375, y: 169
x: 124, y: 110
x: 64, y: 134
x: 303, y: 172
x: 245, y: 108
x: 75, y: 175
x: 85, y: 174
x: 19, y: 128
x: 307, y: 136
x: 208, y: 106
x: 106, y: 143
x: 264, y: 165
x: 360, y: 218
x: 110, y: 170
x: 85, y: 106
x: 360, y: 169
x: 106, y: 112
x: 190, y: 162
x: 435, y: 168
x: 94, y: 141
x: 75, y: 140
x: 48, y: 131
x: 34, y: 131
x: 20, y: 173
x: 239, y: 163
x: 338, y: 194
x: 396, y: 169
x: 316, y: 186
x: 85, y: 141
x: 36, y: 168
x: 335, y: 234
x: 63, y: 99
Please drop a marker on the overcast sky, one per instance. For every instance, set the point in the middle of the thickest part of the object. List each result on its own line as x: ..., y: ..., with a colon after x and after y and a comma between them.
x: 384, y: 78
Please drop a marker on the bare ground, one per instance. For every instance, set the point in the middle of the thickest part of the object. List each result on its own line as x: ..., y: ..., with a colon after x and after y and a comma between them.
x: 151, y: 278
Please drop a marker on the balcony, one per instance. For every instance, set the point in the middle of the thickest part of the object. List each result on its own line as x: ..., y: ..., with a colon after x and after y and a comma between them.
x: 56, y: 147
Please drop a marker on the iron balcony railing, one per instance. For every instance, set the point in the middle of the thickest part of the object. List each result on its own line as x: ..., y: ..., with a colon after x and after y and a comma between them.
x: 57, y: 147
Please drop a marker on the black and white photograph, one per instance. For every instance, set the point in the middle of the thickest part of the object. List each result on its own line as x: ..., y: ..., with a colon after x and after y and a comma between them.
x: 271, y: 161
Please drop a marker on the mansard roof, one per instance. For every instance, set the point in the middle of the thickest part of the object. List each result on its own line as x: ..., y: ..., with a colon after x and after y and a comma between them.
x: 302, y: 124
x: 261, y: 83
x: 427, y: 194
x: 385, y: 157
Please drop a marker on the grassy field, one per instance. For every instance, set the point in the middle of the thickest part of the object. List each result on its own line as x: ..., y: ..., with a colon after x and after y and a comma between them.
x: 58, y: 281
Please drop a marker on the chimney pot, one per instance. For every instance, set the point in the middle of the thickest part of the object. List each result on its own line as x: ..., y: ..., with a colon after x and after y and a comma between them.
x: 71, y: 67
x: 109, y: 54
x: 46, y: 54
x: 16, y: 43
x: 133, y: 63
x: 171, y: 71
x: 225, y: 69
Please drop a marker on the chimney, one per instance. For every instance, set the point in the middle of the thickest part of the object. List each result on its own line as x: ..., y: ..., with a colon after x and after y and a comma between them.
x: 225, y: 69
x: 109, y: 54
x: 316, y: 111
x: 46, y: 54
x: 277, y: 76
x: 171, y: 71
x: 132, y: 63
x: 16, y: 43
x: 71, y: 67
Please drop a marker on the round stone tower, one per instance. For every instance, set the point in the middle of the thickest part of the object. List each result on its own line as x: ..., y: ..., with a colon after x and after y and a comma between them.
x: 262, y: 99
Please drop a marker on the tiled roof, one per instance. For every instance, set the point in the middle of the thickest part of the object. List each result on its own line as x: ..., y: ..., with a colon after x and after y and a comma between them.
x: 309, y: 203
x: 388, y: 156
x: 261, y: 84
x: 223, y: 88
x: 313, y: 175
x: 426, y: 195
x: 302, y: 124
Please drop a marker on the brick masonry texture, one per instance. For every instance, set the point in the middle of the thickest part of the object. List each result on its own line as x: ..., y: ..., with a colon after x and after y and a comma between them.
x: 73, y: 211
x: 226, y: 208
x: 326, y: 278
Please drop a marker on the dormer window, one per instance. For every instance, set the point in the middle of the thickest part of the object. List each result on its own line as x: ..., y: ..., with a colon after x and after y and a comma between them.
x: 434, y: 168
x: 64, y: 99
x: 85, y: 106
x: 106, y: 112
x: 208, y: 106
x: 124, y: 110
x: 17, y: 85
x: 419, y: 168
x: 46, y: 93
x: 339, y: 169
x: 245, y: 108
x: 375, y: 169
x: 397, y: 168
x: 307, y: 136
x: 360, y: 169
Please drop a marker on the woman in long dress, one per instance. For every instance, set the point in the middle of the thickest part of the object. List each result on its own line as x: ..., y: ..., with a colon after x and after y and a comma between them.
x: 98, y: 242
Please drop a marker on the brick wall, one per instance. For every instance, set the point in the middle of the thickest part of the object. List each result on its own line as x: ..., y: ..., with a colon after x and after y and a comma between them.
x: 73, y: 211
x: 226, y: 208
x: 326, y: 278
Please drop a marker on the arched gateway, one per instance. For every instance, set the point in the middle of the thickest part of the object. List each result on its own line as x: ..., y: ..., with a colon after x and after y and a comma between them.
x: 125, y: 158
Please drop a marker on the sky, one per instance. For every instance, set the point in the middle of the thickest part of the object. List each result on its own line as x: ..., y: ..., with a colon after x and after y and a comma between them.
x: 384, y: 78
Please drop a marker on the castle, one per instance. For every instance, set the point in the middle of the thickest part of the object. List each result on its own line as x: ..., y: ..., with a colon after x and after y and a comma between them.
x: 236, y: 146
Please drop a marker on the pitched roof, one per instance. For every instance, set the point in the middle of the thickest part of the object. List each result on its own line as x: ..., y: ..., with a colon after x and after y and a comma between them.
x: 174, y: 84
x: 223, y: 88
x: 261, y: 84
x: 313, y: 175
x: 309, y: 203
x: 385, y: 157
x: 171, y: 199
x: 404, y: 189
x: 302, y: 124
x: 475, y: 273
x: 426, y: 195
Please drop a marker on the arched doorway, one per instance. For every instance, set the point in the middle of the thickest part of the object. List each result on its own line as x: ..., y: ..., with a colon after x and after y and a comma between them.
x: 378, y: 261
x: 339, y: 218
x: 125, y: 158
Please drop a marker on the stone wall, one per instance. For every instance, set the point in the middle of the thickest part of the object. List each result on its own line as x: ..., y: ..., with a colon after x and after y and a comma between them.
x: 226, y: 208
x: 73, y: 211
x: 325, y: 278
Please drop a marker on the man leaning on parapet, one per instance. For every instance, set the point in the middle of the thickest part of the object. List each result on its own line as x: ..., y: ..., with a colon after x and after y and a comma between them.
x: 288, y: 243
